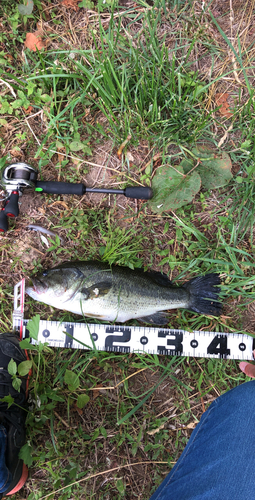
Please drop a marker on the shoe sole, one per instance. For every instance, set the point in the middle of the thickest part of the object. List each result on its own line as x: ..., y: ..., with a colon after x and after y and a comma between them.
x: 21, y: 482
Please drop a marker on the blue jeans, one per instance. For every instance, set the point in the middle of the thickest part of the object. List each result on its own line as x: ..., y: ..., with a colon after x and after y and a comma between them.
x: 218, y: 462
x: 5, y: 475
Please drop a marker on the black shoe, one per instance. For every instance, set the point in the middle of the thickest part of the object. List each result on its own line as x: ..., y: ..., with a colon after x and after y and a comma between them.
x: 13, y: 418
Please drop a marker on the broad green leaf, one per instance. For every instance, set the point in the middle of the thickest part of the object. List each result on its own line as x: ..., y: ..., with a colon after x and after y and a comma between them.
x: 120, y: 487
x: 17, y: 104
x: 82, y: 400
x: 55, y: 397
x: 33, y: 326
x: 76, y: 145
x: 26, y: 454
x: 25, y: 344
x: 246, y: 144
x: 3, y: 121
x: 17, y: 383
x: 7, y: 399
x: 95, y: 435
x: 172, y: 188
x: 72, y: 380
x: 24, y: 367
x: 103, y: 432
x: 87, y: 4
x: 30, y: 88
x: 26, y: 9
x: 187, y: 165
x: 239, y: 179
x: 45, y: 98
x: 214, y: 172
x: 12, y: 367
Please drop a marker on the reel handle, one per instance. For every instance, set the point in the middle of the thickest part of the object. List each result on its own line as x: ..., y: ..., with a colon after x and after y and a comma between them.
x: 11, y: 208
x: 3, y: 221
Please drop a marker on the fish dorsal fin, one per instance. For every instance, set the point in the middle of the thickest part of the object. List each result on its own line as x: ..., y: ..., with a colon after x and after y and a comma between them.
x: 97, y: 290
x: 160, y: 278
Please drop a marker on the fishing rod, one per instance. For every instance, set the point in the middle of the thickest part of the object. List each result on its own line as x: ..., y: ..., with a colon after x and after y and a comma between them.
x: 18, y: 176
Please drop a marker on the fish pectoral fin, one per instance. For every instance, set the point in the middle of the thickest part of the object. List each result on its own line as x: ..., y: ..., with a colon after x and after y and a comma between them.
x: 158, y: 318
x: 97, y: 290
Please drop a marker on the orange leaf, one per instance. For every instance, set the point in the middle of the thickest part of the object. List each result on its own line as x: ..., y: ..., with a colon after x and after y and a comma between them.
x: 8, y: 56
x: 221, y: 99
x: 71, y: 4
x: 28, y: 110
x: 34, y: 41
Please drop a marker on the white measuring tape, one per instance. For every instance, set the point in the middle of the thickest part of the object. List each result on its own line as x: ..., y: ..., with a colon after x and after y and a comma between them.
x: 127, y: 339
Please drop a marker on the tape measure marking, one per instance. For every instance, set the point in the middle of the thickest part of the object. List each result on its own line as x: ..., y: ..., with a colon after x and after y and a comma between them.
x: 150, y: 340
x: 142, y: 339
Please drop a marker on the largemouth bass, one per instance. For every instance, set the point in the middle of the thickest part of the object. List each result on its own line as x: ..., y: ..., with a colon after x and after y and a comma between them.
x: 97, y: 290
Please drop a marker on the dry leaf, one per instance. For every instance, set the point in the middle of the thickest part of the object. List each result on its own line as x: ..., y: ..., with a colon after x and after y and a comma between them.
x: 119, y: 152
x: 129, y: 157
x: 8, y: 56
x: 221, y: 99
x: 155, y: 431
x: 95, y: 393
x: 71, y: 4
x: 61, y: 154
x: 191, y: 425
x: 28, y: 110
x: 16, y: 153
x: 34, y: 41
x: 59, y: 203
x: 225, y: 136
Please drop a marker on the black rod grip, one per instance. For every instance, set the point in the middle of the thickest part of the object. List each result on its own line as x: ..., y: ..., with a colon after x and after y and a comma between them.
x: 3, y: 221
x: 139, y: 192
x: 12, y: 206
x: 55, y: 187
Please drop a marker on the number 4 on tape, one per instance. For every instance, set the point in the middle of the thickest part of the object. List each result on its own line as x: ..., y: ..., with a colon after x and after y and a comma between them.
x: 143, y: 339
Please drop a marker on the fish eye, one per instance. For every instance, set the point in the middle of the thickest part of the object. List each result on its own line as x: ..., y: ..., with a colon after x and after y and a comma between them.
x: 44, y: 273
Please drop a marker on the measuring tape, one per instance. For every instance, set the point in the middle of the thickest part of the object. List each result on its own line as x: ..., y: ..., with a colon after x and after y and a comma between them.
x: 131, y: 339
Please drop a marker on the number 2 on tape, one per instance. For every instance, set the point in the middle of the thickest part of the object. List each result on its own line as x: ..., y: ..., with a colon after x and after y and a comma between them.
x: 124, y: 337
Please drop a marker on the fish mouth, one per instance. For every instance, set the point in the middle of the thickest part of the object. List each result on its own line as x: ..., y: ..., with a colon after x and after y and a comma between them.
x: 39, y: 286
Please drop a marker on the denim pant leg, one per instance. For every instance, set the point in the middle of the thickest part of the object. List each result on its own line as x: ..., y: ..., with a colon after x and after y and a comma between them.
x: 5, y: 475
x: 218, y: 462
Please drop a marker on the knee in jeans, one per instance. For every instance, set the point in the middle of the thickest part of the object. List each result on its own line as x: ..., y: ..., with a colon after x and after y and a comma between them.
x: 244, y: 392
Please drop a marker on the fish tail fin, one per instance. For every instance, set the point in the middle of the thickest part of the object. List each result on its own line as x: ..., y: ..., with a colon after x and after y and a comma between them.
x: 204, y: 294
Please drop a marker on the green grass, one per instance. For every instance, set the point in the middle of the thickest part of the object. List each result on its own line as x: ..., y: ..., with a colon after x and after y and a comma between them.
x: 150, y: 72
